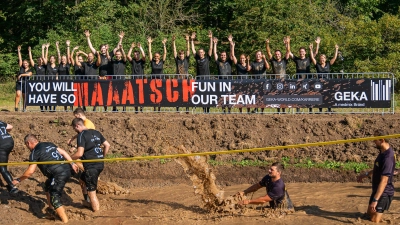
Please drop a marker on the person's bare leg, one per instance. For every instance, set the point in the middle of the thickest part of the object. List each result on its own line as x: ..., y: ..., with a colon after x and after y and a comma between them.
x: 61, y: 213
x: 17, y: 98
x: 94, y: 200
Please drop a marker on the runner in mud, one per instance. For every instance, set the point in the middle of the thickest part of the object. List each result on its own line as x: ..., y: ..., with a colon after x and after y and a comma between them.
x: 382, y: 178
x: 79, y: 113
x: 89, y: 147
x: 275, y: 188
x: 6, y: 146
x: 57, y: 174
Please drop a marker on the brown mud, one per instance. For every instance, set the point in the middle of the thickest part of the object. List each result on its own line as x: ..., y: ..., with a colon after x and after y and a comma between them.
x: 144, y: 192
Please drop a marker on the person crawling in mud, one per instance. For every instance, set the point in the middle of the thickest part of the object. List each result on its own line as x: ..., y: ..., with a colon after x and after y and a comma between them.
x: 274, y: 185
x: 382, y: 179
x: 57, y: 174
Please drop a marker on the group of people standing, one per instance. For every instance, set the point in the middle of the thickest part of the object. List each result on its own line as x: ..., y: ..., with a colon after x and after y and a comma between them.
x: 90, y: 144
x: 111, y: 64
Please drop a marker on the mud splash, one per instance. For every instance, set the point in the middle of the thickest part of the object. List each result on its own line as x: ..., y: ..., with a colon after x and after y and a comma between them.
x: 200, y: 173
x: 106, y: 188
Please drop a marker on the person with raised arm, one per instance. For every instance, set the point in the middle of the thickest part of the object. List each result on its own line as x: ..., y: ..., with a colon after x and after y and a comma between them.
x: 278, y: 63
x: 202, y: 61
x: 24, y: 73
x: 258, y: 68
x: 39, y: 67
x: 224, y: 65
x: 52, y: 70
x: 78, y: 71
x: 64, y: 66
x: 137, y: 64
x: 303, y: 63
x: 242, y: 66
x: 323, y: 67
x: 157, y: 64
x: 118, y: 66
x: 182, y: 62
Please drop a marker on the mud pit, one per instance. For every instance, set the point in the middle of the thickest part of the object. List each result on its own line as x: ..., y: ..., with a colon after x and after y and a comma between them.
x: 160, y: 192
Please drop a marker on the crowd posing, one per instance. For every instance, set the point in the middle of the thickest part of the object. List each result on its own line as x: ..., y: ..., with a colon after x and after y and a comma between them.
x: 91, y: 144
x: 107, y: 63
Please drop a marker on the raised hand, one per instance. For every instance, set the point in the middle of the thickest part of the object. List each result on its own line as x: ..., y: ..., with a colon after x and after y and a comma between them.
x: 87, y: 33
x: 267, y: 41
x: 230, y: 38
x: 47, y: 45
x: 75, y: 48
x: 133, y: 45
x: 149, y: 40
x: 164, y: 41
x: 215, y: 40
x: 43, y: 45
x: 19, y: 47
x: 139, y: 45
x: 57, y: 43
x: 121, y: 34
x: 336, y: 46
x: 284, y: 40
x: 318, y: 40
x: 29, y: 48
x: 187, y: 37
x: 68, y: 42
x: 193, y: 36
x: 173, y: 37
x: 248, y: 57
x: 210, y: 34
x: 311, y: 46
x: 288, y: 39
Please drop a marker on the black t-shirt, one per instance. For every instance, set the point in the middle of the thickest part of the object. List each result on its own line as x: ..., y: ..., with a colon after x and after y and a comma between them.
x: 384, y: 166
x: 40, y: 70
x: 47, y: 151
x: 325, y: 69
x: 138, y: 67
x: 23, y: 71
x: 202, y: 65
x: 51, y: 70
x: 104, y: 67
x: 279, y: 67
x: 90, y: 68
x: 91, y: 141
x: 241, y: 70
x: 157, y: 68
x: 182, y: 66
x: 63, y: 69
x: 79, y: 70
x: 118, y: 68
x: 302, y: 65
x: 275, y: 190
x: 258, y: 67
x: 224, y: 68
x: 5, y: 138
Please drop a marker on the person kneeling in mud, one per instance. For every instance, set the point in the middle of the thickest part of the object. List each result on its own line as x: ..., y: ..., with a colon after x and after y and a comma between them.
x: 57, y: 174
x: 275, y: 188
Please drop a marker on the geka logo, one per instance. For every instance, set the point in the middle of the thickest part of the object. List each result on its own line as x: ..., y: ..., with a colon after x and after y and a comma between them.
x: 351, y: 96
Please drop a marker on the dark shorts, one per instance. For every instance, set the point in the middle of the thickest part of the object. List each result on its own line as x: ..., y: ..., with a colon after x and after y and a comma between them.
x: 20, y: 87
x: 55, y: 183
x: 90, y: 176
x: 383, y: 203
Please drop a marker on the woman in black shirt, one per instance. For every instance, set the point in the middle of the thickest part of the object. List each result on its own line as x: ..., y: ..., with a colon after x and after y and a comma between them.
x: 24, y: 73
x: 64, y: 66
x: 156, y: 63
x: 40, y: 67
x: 52, y: 69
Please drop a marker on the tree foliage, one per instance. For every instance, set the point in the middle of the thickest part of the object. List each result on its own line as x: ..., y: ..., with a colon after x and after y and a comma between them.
x: 367, y: 31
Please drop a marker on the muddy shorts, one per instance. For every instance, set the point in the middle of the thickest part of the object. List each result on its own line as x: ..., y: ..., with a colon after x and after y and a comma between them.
x: 55, y: 185
x: 90, y: 176
x: 383, y: 203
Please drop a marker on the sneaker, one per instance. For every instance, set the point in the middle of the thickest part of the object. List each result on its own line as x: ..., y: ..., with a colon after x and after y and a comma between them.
x: 14, y: 190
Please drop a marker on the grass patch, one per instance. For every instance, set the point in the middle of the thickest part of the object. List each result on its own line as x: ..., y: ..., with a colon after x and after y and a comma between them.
x: 307, y: 163
x: 7, y: 95
x: 114, y: 155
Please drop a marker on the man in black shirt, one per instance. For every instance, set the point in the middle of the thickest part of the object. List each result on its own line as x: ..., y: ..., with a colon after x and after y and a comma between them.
x: 278, y: 63
x: 57, y: 174
x: 6, y: 147
x: 137, y: 65
x: 202, y: 61
x: 182, y: 62
x: 118, y: 66
x: 89, y: 147
x: 382, y: 179
x: 275, y: 188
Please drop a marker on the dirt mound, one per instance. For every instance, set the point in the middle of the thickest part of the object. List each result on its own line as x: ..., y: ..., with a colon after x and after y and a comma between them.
x: 105, y: 188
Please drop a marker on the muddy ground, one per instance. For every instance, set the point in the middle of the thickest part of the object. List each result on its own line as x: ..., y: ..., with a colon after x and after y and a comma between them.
x: 160, y: 192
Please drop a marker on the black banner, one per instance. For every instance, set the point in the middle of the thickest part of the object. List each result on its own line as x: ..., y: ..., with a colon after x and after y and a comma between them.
x: 323, y: 93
